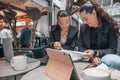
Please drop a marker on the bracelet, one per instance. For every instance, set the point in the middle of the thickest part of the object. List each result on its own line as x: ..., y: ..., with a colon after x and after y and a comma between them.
x: 95, y: 52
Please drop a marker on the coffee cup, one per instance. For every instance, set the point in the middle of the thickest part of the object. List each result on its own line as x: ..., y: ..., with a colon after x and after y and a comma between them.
x: 95, y: 74
x: 19, y: 62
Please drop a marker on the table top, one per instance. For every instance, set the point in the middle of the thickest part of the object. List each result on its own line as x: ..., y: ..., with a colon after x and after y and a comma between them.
x: 7, y: 70
x: 38, y: 73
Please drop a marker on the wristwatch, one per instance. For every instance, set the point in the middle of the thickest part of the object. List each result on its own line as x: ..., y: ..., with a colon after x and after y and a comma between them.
x: 95, y: 52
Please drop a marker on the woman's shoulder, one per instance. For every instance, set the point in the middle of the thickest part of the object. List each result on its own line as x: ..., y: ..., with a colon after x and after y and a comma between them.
x: 54, y: 27
x: 73, y: 28
x: 83, y: 27
x: 107, y: 27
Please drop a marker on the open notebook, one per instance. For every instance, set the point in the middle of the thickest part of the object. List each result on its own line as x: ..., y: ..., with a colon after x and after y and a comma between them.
x: 75, y: 55
x: 60, y: 66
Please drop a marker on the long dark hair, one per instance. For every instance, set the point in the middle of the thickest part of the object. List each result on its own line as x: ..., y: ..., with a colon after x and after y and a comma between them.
x: 62, y: 13
x: 101, y: 14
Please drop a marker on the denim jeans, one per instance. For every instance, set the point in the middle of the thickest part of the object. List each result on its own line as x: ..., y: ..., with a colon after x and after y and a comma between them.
x: 112, y: 60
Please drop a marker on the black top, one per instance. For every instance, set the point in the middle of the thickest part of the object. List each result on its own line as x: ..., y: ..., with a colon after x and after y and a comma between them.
x: 24, y: 39
x: 93, y: 37
x: 106, y: 39
x: 55, y: 35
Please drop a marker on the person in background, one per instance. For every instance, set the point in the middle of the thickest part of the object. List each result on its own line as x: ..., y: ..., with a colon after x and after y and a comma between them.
x: 38, y: 39
x: 25, y: 36
x: 1, y: 27
x: 63, y: 35
x: 5, y: 33
x: 98, y: 36
x: 37, y: 34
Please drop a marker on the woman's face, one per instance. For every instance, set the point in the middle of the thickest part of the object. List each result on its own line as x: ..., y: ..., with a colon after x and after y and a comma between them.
x: 89, y: 18
x: 63, y: 22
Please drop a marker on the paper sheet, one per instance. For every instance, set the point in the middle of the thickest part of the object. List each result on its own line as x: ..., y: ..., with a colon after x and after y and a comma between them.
x: 75, y: 55
x: 103, y: 66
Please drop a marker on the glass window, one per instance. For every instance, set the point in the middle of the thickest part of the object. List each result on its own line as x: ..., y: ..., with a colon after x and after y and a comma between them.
x: 43, y: 23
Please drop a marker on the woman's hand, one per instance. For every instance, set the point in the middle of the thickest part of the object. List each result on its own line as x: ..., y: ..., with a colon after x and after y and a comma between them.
x: 96, y: 60
x: 57, y: 45
x: 89, y: 54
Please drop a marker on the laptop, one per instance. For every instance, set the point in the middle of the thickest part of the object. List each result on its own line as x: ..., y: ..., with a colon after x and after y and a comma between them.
x: 60, y: 66
x: 9, y: 53
x: 8, y: 48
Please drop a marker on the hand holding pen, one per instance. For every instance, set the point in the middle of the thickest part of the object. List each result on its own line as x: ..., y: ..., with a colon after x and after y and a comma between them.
x: 57, y: 45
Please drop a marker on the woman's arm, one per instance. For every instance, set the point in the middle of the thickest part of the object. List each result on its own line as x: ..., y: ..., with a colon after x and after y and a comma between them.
x: 112, y: 44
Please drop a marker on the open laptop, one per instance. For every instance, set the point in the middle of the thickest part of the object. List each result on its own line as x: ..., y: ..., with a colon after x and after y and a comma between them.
x: 60, y: 66
x: 9, y: 53
x: 8, y: 48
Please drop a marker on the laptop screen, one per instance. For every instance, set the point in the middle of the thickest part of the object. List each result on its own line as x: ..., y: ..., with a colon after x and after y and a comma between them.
x: 8, y: 48
x: 60, y: 63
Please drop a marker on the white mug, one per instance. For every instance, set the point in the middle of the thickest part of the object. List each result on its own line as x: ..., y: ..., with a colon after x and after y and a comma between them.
x: 95, y: 74
x: 19, y: 62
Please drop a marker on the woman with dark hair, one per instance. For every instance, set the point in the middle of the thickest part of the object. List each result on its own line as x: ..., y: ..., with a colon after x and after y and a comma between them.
x: 63, y: 35
x: 98, y: 35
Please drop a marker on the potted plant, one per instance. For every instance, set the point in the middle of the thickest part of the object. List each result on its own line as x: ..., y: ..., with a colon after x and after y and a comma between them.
x: 32, y: 12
